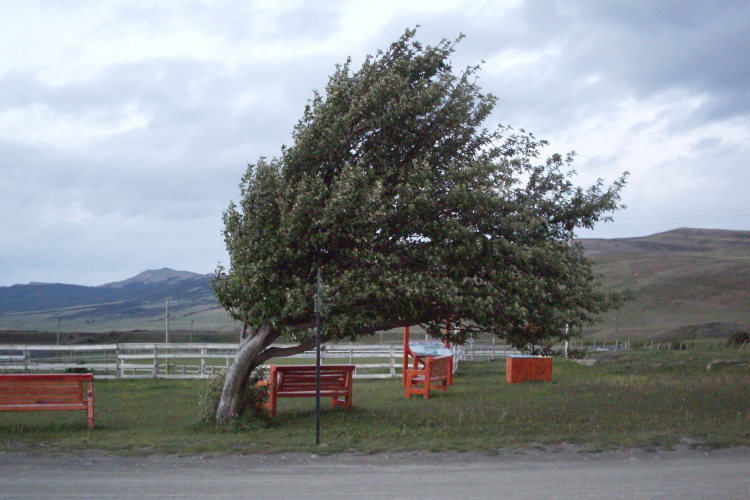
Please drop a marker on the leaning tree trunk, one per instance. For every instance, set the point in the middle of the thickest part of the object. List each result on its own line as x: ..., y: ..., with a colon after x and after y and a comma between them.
x: 253, y: 352
x: 231, y: 402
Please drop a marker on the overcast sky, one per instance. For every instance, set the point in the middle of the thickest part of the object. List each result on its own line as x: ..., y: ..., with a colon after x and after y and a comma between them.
x: 125, y: 126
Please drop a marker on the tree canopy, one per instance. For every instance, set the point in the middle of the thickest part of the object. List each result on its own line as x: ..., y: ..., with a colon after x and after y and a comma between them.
x: 416, y: 214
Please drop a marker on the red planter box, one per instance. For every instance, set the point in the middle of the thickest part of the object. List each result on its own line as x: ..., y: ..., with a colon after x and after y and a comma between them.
x: 523, y: 368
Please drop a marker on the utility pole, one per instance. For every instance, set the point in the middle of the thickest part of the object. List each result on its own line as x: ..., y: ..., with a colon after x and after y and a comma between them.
x: 58, y: 330
x: 167, y: 322
x: 191, y: 330
x: 615, y: 326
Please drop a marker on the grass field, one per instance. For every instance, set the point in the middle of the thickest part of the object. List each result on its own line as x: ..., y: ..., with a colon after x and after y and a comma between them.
x: 647, y: 399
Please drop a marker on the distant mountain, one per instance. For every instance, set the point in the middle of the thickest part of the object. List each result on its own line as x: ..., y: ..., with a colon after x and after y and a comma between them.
x: 682, y: 240
x: 136, y: 303
x: 161, y: 276
x: 144, y: 288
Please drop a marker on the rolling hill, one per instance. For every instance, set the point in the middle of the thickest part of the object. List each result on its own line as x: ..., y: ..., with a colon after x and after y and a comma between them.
x: 688, y: 283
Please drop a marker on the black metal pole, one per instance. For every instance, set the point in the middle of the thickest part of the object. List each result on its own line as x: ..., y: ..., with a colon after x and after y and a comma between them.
x: 318, y: 303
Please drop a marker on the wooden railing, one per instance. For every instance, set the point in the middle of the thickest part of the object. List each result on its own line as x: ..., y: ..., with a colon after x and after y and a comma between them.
x: 182, y: 360
x: 204, y: 360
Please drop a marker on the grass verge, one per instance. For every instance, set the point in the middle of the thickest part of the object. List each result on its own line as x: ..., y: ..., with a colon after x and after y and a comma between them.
x: 647, y: 399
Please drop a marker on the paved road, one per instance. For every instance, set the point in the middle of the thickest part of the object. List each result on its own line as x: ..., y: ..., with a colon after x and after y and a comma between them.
x: 683, y: 475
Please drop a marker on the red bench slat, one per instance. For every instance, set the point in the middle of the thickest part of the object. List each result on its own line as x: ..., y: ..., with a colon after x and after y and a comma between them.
x: 44, y: 407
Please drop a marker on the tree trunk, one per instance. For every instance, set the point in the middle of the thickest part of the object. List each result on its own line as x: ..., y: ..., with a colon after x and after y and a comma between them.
x: 246, y: 361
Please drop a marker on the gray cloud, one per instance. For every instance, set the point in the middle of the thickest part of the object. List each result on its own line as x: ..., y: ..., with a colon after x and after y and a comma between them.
x: 129, y: 164
x: 647, y: 47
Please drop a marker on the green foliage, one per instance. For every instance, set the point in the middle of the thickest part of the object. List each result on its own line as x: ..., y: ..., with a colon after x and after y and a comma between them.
x: 253, y: 398
x: 739, y: 338
x: 414, y: 212
x: 79, y: 370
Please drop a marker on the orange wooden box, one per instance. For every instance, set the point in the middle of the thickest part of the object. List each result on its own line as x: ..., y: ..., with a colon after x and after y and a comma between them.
x: 523, y: 368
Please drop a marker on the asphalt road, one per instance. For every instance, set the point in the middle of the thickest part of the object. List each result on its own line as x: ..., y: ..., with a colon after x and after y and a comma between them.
x: 563, y: 474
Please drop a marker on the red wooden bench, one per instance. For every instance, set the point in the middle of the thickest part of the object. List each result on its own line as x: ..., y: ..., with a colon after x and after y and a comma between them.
x: 437, y: 373
x: 59, y: 391
x: 298, y: 381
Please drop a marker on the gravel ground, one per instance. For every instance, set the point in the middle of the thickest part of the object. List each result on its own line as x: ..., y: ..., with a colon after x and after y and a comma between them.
x: 555, y: 473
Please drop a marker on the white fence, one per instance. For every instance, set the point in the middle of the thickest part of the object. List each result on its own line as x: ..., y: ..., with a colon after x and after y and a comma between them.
x: 177, y: 361
x: 204, y: 360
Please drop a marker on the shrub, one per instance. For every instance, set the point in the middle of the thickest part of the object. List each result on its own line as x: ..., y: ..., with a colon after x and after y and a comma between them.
x: 577, y: 353
x: 739, y: 338
x: 79, y: 370
x: 253, y: 399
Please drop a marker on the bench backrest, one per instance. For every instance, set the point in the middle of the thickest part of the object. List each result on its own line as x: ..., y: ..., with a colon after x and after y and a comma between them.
x: 300, y: 378
x: 440, y: 367
x: 51, y: 389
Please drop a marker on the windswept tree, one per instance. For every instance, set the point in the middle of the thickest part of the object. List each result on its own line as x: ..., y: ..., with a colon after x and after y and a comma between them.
x: 415, y: 213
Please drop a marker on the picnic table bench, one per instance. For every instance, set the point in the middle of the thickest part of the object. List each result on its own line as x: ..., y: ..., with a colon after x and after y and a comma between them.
x: 298, y: 381
x: 59, y: 391
x: 437, y: 373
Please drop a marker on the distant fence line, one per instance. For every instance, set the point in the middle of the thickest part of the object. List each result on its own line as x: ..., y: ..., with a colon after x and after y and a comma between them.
x: 651, y: 345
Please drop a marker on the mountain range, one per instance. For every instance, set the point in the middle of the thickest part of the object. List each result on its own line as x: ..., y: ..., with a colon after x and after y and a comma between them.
x: 687, y: 283
x: 138, y: 303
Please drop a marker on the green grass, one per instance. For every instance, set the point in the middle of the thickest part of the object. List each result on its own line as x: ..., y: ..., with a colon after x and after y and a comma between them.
x: 644, y: 399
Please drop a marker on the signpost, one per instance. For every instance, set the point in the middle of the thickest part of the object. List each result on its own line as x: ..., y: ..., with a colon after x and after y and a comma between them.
x: 166, y: 319
x: 318, y: 313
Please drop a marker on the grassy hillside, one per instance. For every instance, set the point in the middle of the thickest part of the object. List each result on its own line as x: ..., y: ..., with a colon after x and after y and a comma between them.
x: 689, y: 283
